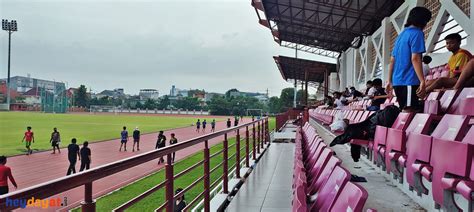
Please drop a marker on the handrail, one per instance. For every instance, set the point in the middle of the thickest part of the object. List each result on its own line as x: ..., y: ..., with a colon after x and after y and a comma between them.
x: 86, y: 178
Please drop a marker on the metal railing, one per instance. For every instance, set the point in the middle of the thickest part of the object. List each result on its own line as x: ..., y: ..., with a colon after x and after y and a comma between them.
x: 260, y: 136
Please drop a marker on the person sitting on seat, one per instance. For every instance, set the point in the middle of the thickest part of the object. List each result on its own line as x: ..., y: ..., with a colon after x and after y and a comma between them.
x: 369, y: 86
x: 378, y: 96
x: 328, y: 100
x: 456, y: 62
x: 339, y: 100
x: 355, y: 93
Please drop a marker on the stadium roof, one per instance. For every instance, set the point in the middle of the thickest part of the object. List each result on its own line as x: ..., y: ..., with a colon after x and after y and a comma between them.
x: 325, y: 27
x: 294, y: 68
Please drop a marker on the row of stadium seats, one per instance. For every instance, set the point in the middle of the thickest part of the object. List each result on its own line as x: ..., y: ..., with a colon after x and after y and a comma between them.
x: 437, y: 72
x: 319, y: 181
x: 432, y: 151
x: 327, y: 116
x: 437, y: 102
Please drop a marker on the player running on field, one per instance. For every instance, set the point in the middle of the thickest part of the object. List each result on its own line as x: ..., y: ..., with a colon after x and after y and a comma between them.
x: 198, y: 125
x: 28, y: 138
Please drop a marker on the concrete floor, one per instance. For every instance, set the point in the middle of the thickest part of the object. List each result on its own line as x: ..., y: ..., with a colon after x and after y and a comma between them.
x: 383, y: 194
x: 268, y: 188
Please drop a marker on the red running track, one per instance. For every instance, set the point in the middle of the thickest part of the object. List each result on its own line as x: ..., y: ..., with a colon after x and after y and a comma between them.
x: 44, y: 166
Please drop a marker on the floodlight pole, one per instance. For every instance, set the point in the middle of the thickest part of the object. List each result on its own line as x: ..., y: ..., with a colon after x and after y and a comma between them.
x: 10, y: 27
x: 8, y: 76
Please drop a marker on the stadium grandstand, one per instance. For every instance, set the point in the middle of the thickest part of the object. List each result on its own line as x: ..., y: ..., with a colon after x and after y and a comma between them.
x: 385, y: 159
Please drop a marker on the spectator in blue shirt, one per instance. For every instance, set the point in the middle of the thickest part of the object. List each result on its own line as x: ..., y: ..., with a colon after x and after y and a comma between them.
x: 405, y: 70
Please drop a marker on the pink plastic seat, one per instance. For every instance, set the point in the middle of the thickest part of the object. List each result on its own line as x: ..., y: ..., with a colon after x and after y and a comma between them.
x: 401, y: 123
x: 318, y: 182
x: 451, y: 169
x: 314, y: 169
x: 464, y: 103
x: 331, y: 189
x: 442, y: 105
x: 357, y: 117
x: 437, y: 74
x: 299, y: 200
x: 444, y: 73
x: 432, y: 102
x: 353, y: 115
x: 351, y: 198
x: 396, y: 143
x: 365, y: 115
x: 451, y: 127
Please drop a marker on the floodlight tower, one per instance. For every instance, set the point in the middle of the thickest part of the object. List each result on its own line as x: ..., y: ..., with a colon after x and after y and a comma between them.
x: 10, y: 27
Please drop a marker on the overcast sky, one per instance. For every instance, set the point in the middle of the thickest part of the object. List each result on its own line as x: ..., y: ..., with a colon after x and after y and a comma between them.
x: 213, y: 45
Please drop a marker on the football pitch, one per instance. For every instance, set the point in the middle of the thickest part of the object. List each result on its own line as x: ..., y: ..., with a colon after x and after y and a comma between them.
x: 83, y: 127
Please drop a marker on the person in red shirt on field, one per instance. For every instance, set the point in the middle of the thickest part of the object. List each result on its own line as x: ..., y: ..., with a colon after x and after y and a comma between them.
x: 28, y: 138
x: 5, y: 174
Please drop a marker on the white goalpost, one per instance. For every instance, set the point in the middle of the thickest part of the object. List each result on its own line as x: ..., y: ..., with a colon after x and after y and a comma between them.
x: 255, y: 112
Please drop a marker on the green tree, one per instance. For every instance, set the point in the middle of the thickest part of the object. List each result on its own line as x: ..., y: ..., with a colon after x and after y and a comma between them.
x: 287, y: 95
x: 105, y: 101
x: 274, y: 105
x: 164, y: 102
x: 81, y: 97
x: 219, y: 106
x: 189, y: 103
x: 149, y: 104
x: 139, y: 105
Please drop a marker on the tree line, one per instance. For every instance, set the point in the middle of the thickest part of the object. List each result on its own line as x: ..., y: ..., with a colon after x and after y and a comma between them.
x: 218, y: 105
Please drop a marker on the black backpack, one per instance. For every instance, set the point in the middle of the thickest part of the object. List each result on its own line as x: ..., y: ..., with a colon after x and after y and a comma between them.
x: 366, y: 129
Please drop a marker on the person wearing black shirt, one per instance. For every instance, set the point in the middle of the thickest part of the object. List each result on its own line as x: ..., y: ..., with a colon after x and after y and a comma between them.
x: 369, y: 85
x: 355, y: 93
x: 174, y: 140
x: 73, y: 153
x: 204, y: 125
x: 229, y: 123
x: 136, y: 139
x: 179, y: 204
x: 379, y: 96
x: 160, y: 143
x: 85, y: 157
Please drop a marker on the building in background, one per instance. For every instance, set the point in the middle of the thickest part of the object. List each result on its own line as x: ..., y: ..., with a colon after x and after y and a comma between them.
x: 114, y: 94
x: 23, y: 84
x: 149, y: 94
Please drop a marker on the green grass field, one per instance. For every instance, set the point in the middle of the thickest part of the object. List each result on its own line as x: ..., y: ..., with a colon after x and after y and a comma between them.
x: 150, y: 203
x: 81, y: 126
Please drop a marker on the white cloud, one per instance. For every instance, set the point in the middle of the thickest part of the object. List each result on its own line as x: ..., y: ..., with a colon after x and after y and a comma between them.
x: 212, y: 45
